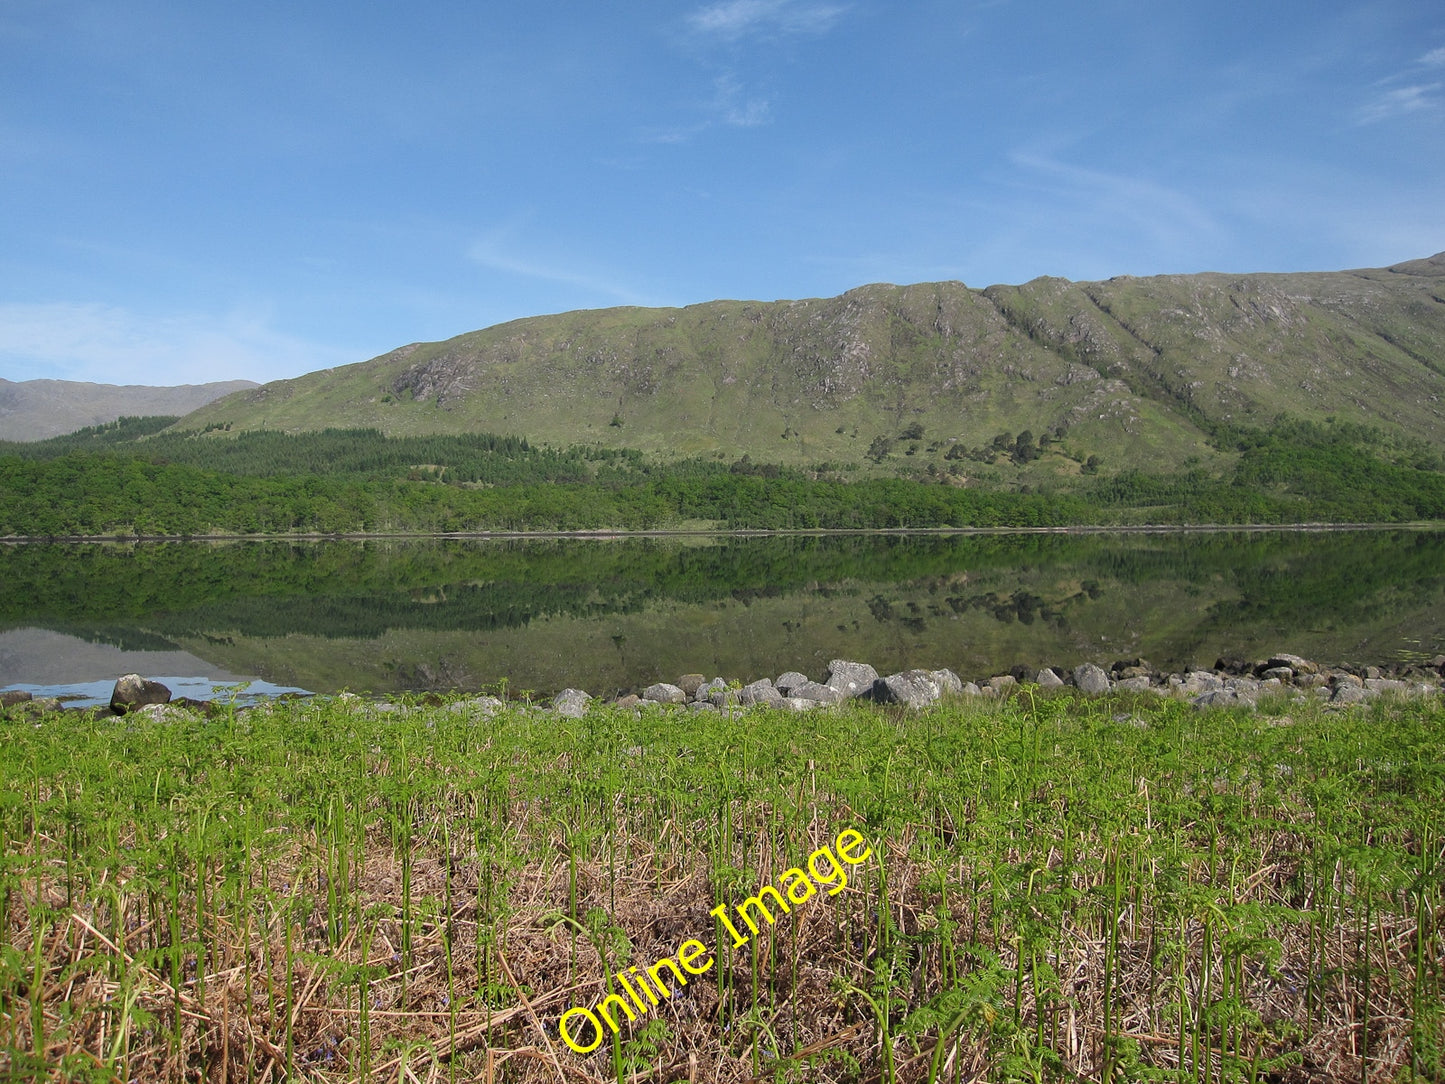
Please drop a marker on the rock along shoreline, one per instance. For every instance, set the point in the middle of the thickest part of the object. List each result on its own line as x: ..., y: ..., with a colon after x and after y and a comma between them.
x: 1230, y: 683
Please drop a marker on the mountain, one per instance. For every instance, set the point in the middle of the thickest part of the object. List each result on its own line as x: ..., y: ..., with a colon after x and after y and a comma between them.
x: 36, y: 409
x: 1141, y: 369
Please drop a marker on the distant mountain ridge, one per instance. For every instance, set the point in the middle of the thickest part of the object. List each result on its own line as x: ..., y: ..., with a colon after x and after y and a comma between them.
x: 37, y: 409
x: 1142, y: 369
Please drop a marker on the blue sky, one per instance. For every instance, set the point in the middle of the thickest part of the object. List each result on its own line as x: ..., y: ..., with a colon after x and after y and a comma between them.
x: 195, y: 190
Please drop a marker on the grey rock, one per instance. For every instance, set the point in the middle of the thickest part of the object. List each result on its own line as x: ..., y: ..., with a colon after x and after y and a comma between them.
x: 1001, y: 682
x: 1047, y: 679
x: 761, y: 691
x: 1201, y: 681
x: 664, y: 693
x: 915, y: 688
x: 1347, y: 692
x: 971, y: 689
x: 1243, y: 686
x: 483, y: 706
x: 163, y: 713
x: 133, y: 691
x: 949, y: 683
x: 798, y: 703
x: 721, y: 698
x: 1282, y: 673
x: 691, y: 683
x: 790, y: 681
x: 1090, y: 679
x: 706, y: 690
x: 571, y: 703
x: 817, y: 692
x: 13, y: 697
x: 1222, y: 698
x: 1386, y: 685
x: 851, y: 678
x: 631, y: 700
x: 1137, y: 684
x: 1294, y: 662
x: 701, y: 705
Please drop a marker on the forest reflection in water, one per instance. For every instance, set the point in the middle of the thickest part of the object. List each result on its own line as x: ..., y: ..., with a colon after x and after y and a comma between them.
x: 618, y: 613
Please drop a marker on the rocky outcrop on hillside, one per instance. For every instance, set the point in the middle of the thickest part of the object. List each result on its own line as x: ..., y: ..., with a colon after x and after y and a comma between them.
x: 1138, y: 367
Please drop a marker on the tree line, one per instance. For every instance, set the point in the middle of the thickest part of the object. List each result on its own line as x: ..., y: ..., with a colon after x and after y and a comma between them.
x: 128, y: 478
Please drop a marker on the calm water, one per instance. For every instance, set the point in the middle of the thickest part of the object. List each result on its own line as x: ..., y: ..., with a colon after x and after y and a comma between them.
x: 609, y: 615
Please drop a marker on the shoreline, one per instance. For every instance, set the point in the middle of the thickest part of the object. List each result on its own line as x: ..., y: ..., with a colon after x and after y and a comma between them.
x: 1230, y: 682
x: 746, y: 532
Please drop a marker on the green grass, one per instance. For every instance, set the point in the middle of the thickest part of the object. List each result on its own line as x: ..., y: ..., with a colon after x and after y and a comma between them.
x: 1061, y: 890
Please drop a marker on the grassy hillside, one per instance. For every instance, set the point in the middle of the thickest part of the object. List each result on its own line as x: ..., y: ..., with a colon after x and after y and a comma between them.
x: 1133, y: 371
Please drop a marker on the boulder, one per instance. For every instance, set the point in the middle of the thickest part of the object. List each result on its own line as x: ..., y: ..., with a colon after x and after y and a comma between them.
x: 571, y: 703
x: 1201, y: 681
x: 915, y: 688
x: 483, y: 707
x: 1001, y: 683
x: 1294, y: 662
x: 631, y: 700
x: 163, y: 713
x: 789, y: 681
x: 14, y: 696
x: 721, y: 698
x: 816, y: 692
x: 706, y: 690
x: 1244, y: 686
x: 1090, y: 679
x: 1378, y: 685
x: 1222, y: 698
x: 1047, y: 679
x: 761, y: 691
x: 133, y: 691
x: 664, y: 693
x: 798, y: 703
x: 1347, y: 692
x: 691, y: 683
x: 1282, y: 673
x: 851, y: 678
x: 1137, y: 684
x: 971, y: 689
x: 949, y: 683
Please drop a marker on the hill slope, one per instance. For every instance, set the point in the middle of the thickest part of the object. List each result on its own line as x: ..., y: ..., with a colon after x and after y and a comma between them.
x: 1141, y: 369
x: 38, y: 409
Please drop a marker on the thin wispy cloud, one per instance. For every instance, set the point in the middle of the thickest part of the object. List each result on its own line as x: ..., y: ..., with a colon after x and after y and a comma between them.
x: 108, y: 344
x: 734, y: 19
x: 490, y: 253
x: 1400, y: 101
x: 1406, y: 92
x: 1162, y: 215
x: 737, y: 107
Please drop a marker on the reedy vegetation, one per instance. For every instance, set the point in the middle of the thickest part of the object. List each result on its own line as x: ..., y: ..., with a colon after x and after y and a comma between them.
x: 1063, y: 890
